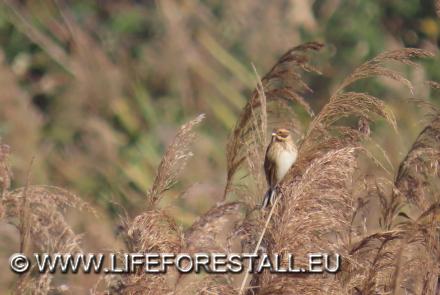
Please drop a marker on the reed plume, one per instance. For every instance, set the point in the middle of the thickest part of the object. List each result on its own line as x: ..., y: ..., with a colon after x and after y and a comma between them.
x: 173, y: 162
x: 154, y: 231
x: 280, y: 86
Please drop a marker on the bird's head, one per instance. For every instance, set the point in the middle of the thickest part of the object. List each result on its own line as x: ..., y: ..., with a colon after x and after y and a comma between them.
x: 280, y: 134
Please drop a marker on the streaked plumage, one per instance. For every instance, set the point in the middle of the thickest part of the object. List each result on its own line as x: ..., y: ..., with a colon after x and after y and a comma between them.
x: 281, y: 154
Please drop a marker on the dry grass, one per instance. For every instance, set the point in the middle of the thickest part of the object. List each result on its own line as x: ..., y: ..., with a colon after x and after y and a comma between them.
x: 5, y: 171
x: 322, y: 205
x: 281, y: 85
x: 416, y: 177
x: 319, y: 207
x: 38, y: 213
x: 173, y: 162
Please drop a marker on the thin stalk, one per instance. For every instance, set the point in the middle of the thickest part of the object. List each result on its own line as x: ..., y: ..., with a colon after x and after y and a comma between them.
x: 272, y: 210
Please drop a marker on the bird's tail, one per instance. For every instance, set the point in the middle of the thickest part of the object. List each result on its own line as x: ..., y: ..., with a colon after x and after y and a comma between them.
x: 269, y: 197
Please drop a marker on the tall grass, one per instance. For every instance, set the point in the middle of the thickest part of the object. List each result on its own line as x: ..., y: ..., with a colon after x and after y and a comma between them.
x: 323, y: 205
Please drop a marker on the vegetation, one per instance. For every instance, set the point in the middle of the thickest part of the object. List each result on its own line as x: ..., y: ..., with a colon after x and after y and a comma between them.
x: 91, y: 97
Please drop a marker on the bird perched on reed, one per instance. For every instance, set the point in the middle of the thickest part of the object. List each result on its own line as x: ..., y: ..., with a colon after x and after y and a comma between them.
x: 281, y: 154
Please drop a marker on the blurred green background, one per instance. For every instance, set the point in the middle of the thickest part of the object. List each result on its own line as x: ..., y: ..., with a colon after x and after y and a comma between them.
x: 95, y: 90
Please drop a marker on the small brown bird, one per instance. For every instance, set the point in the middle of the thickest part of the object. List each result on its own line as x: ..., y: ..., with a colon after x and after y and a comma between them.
x: 281, y: 154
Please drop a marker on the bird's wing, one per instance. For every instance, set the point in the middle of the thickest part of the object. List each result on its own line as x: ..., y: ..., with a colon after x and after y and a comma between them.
x: 270, y: 169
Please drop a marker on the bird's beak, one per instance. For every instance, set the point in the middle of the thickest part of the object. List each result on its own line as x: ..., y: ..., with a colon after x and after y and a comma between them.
x: 274, y: 134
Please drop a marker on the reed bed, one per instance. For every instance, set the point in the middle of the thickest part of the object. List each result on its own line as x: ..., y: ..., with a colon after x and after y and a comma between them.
x: 322, y: 205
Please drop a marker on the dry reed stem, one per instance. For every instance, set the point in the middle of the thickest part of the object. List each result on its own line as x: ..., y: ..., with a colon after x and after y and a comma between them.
x: 257, y: 246
x: 256, y: 146
x: 24, y: 226
x: 5, y: 171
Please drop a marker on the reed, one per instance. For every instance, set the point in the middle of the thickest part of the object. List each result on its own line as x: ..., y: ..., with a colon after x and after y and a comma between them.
x: 322, y: 205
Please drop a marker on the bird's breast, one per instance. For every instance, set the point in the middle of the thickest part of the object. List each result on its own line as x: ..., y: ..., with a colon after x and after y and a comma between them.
x: 285, y: 160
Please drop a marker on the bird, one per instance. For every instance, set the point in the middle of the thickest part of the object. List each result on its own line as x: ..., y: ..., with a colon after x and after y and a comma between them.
x: 281, y: 154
